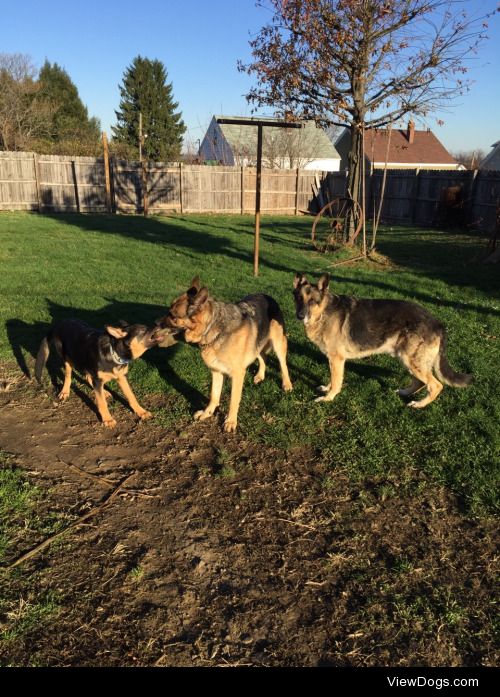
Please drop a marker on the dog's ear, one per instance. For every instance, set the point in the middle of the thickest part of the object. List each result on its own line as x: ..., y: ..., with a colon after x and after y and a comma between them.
x: 299, y: 279
x: 194, y: 286
x: 123, y: 323
x: 198, y: 301
x: 116, y: 332
x: 324, y: 282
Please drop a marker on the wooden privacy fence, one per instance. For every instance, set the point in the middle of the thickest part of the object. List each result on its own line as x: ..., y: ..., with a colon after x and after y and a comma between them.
x: 50, y: 183
x: 53, y: 184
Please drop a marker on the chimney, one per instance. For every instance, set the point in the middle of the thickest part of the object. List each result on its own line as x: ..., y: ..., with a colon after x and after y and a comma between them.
x: 411, y: 131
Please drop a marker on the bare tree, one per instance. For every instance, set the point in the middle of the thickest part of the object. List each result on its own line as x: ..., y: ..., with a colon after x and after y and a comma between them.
x: 290, y: 148
x: 469, y: 158
x: 362, y: 63
x: 24, y: 113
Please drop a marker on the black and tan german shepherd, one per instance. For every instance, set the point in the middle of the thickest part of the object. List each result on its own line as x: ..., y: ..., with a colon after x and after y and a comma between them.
x: 231, y: 337
x: 100, y: 356
x: 344, y: 327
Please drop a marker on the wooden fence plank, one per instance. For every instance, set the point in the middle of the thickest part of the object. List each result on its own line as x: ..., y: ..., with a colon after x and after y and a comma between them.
x: 62, y: 183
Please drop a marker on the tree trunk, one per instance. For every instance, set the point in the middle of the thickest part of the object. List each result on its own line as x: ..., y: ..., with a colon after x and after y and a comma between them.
x: 354, y: 165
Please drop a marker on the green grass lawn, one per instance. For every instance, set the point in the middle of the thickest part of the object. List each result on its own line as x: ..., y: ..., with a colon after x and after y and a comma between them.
x: 106, y: 268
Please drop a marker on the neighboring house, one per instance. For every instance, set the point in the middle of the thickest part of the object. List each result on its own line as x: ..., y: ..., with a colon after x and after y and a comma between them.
x: 492, y: 161
x: 408, y: 149
x: 307, y: 148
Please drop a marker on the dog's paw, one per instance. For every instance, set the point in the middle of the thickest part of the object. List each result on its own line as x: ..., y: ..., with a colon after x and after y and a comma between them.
x: 202, y: 414
x: 230, y: 426
x: 325, y: 398
x: 144, y: 415
x: 258, y: 379
x: 109, y: 423
x: 287, y: 386
x: 63, y: 396
x: 417, y: 404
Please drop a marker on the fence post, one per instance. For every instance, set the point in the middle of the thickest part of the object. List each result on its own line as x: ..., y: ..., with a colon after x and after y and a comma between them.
x: 242, y: 186
x: 37, y: 181
x: 472, y: 196
x: 107, y: 177
x: 75, y: 184
x: 297, y: 191
x: 180, y: 187
x: 415, y: 195
x: 144, y: 188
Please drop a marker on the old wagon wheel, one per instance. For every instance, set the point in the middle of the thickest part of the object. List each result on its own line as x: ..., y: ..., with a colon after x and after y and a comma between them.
x: 330, y: 223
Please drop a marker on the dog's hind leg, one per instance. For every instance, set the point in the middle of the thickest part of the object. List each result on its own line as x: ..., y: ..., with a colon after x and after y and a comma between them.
x: 259, y: 377
x: 415, y: 386
x: 279, y: 343
x: 64, y: 393
x: 420, y: 365
x: 434, y: 388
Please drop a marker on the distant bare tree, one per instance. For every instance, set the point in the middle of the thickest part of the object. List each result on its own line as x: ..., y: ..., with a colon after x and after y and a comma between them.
x: 469, y: 158
x: 24, y: 113
x: 292, y: 148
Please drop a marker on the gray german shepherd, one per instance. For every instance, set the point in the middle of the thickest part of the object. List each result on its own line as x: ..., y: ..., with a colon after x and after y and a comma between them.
x: 344, y: 327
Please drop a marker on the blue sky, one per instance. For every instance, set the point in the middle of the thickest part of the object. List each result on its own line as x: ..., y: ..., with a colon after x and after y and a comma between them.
x: 200, y: 43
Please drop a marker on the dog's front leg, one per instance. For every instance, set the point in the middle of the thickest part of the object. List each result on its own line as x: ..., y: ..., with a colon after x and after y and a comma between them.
x: 236, y: 389
x: 337, y: 364
x: 102, y: 405
x: 217, y: 381
x: 131, y: 399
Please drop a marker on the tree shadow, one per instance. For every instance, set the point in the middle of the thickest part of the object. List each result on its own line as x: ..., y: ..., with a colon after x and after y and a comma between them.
x: 454, y: 258
x: 426, y: 298
x: 170, y: 232
x: 25, y: 339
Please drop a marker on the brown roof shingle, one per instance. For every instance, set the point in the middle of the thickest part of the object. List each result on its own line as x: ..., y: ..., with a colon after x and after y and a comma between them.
x: 425, y: 149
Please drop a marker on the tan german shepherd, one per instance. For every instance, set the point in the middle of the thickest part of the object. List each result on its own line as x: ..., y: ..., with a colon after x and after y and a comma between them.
x: 231, y: 337
x: 343, y: 328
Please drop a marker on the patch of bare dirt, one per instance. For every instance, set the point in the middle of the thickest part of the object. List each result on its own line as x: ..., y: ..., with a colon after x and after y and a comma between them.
x: 218, y: 551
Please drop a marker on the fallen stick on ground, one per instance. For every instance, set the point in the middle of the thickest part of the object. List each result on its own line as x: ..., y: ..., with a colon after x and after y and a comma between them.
x: 49, y: 540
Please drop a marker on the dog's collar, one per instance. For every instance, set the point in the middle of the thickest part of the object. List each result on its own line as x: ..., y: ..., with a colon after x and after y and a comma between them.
x: 116, y: 358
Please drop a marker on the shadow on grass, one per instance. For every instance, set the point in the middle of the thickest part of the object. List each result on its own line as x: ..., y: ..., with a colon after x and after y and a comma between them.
x: 426, y: 298
x: 455, y: 258
x: 195, y: 234
x: 25, y: 338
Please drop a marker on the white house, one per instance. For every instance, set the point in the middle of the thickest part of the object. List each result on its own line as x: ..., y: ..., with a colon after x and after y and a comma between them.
x: 307, y: 148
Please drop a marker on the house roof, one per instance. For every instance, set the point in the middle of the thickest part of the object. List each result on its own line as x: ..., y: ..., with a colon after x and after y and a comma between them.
x: 308, y: 142
x: 492, y: 160
x: 425, y: 149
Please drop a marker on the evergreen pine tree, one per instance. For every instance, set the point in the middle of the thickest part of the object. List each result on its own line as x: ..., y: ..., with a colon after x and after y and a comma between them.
x: 71, y: 122
x: 145, y: 90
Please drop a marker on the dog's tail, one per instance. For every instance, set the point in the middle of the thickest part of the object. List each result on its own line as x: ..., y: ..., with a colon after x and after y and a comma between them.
x: 42, y: 356
x: 445, y: 372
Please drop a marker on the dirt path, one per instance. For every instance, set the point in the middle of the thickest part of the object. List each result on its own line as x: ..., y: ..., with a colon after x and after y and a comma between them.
x: 218, y: 551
